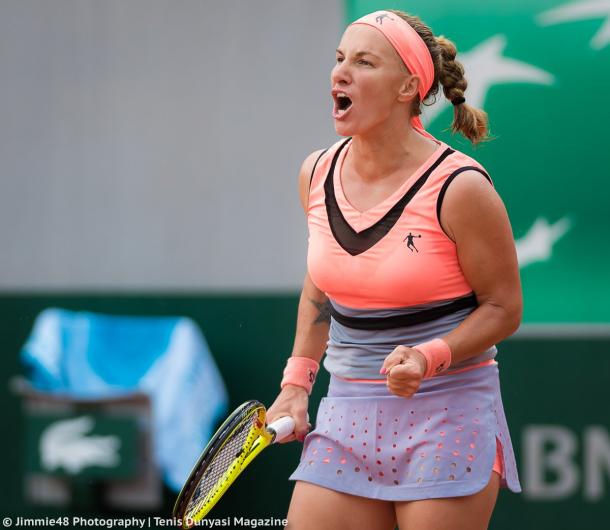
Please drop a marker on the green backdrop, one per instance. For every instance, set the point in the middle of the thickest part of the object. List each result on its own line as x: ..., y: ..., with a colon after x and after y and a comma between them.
x: 539, y: 69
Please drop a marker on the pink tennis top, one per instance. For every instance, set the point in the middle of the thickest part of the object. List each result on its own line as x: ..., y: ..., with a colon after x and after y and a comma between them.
x: 393, y: 255
x: 391, y: 273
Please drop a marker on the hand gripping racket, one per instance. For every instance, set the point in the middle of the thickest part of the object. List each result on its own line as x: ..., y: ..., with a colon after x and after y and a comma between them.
x: 235, y: 444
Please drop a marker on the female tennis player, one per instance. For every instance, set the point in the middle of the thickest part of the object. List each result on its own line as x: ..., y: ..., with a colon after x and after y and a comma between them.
x: 412, y: 279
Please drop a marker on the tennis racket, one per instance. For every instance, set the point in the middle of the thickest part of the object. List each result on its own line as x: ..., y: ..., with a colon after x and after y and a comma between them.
x: 235, y: 444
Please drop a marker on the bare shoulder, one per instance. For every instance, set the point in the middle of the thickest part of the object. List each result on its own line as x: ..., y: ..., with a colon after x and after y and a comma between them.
x: 471, y: 202
x: 305, y: 175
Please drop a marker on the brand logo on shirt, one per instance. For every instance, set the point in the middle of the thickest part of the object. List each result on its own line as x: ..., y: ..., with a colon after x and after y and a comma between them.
x: 409, y: 239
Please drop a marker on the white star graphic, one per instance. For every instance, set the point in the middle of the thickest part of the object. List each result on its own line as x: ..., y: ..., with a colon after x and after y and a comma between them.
x: 537, y: 244
x: 582, y: 11
x: 485, y: 66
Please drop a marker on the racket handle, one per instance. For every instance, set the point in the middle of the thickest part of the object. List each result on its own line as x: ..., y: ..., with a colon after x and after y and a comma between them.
x: 281, y: 428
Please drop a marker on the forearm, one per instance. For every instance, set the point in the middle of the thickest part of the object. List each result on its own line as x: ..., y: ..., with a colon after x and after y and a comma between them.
x: 313, y: 322
x: 487, y: 325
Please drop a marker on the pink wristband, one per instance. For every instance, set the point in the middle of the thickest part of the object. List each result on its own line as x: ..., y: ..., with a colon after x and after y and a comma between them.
x: 437, y: 354
x: 300, y: 371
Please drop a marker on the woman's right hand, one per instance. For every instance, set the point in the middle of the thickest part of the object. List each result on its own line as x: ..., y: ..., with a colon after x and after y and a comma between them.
x: 291, y: 401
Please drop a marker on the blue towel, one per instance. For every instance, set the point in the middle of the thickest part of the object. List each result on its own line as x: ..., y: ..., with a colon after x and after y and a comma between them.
x: 92, y: 356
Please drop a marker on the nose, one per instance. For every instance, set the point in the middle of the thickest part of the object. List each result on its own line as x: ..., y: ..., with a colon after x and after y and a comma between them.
x: 340, y: 73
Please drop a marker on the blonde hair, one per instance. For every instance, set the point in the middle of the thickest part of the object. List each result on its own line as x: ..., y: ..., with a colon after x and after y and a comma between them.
x: 473, y: 123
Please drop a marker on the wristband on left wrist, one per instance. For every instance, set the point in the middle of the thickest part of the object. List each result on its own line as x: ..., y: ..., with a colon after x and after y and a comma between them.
x: 437, y: 354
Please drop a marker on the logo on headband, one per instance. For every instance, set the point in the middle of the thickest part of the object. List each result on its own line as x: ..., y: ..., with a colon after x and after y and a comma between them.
x: 379, y: 18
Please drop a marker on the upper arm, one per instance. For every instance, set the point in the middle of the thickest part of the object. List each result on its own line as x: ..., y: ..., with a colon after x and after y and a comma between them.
x: 474, y: 216
x: 305, y: 177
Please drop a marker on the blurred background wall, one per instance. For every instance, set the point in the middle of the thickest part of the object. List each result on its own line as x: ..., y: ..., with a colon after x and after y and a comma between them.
x: 156, y: 145
x: 150, y: 151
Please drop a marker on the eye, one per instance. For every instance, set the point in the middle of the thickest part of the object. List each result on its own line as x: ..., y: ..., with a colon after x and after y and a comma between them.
x: 339, y: 59
x: 364, y: 62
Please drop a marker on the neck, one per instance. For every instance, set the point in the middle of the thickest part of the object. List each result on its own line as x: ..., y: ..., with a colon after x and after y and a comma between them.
x: 378, y: 154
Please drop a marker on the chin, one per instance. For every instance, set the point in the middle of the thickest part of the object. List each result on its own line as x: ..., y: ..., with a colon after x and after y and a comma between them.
x: 356, y: 127
x: 343, y: 129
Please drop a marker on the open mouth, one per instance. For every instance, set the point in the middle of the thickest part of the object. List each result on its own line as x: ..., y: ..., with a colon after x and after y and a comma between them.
x: 342, y: 104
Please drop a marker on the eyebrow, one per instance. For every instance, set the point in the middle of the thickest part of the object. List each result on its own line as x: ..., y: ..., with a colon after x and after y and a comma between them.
x: 360, y: 53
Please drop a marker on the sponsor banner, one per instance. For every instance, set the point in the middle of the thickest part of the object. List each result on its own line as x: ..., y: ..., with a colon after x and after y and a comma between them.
x: 555, y: 392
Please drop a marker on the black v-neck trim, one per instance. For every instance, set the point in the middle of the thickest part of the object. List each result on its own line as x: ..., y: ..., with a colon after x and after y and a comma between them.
x: 353, y: 242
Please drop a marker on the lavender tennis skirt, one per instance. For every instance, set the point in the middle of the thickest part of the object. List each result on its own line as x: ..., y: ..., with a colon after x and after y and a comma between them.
x: 439, y: 443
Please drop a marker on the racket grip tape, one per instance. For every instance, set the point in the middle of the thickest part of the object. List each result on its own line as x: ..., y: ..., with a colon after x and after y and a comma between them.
x: 281, y: 428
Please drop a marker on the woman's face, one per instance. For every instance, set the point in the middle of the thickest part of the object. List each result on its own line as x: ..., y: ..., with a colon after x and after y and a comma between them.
x: 368, y: 82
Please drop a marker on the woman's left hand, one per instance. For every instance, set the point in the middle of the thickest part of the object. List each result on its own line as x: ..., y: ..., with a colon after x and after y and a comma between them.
x: 405, y: 368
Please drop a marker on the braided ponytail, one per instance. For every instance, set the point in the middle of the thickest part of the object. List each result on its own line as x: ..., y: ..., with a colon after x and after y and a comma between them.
x: 470, y: 121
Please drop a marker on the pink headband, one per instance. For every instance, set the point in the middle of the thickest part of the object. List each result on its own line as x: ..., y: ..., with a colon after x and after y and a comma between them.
x: 409, y: 45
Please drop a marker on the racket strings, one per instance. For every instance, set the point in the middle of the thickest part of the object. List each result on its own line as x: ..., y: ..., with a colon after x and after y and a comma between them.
x: 222, y: 461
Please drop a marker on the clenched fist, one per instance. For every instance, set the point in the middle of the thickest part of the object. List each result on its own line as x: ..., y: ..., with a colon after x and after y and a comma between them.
x: 405, y: 368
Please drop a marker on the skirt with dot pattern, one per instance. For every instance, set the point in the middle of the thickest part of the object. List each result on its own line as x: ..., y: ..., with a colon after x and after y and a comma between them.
x: 439, y: 443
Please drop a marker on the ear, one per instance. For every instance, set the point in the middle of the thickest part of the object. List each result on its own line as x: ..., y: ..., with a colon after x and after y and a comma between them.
x: 409, y: 88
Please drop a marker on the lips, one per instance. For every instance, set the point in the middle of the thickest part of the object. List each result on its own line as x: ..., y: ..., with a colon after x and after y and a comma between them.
x: 342, y: 104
